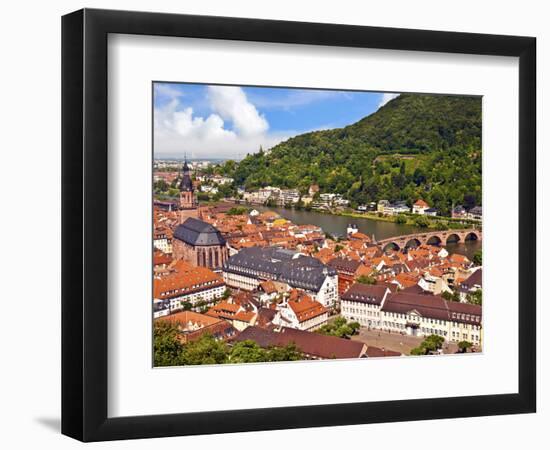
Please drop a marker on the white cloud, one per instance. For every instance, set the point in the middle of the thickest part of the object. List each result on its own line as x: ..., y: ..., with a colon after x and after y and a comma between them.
x: 231, y: 103
x: 178, y: 130
x: 386, y: 98
x: 165, y: 91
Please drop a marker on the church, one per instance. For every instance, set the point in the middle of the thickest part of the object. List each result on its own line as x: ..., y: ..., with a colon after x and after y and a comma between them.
x: 189, y: 205
x: 196, y: 241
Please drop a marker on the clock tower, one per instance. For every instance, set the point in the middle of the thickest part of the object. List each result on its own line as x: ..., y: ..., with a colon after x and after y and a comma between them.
x: 189, y: 206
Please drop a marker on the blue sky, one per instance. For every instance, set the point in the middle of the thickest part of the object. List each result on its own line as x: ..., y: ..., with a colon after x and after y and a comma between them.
x: 206, y: 121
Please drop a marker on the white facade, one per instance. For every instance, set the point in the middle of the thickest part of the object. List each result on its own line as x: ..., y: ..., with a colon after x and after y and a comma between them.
x: 419, y: 209
x: 208, y: 295
x: 412, y: 323
x: 432, y: 284
x: 367, y: 314
x: 287, y: 318
x: 328, y: 294
x: 163, y: 244
x: 289, y: 196
x: 241, y: 281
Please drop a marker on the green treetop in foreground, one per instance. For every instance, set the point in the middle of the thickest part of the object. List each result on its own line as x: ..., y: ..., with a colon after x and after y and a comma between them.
x: 431, y: 344
x: 169, y: 351
x: 339, y: 327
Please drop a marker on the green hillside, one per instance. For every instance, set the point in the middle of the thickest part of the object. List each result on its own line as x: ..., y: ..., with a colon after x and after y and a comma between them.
x: 416, y: 146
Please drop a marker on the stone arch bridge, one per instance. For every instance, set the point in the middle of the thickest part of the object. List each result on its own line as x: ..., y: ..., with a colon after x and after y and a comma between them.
x: 431, y: 238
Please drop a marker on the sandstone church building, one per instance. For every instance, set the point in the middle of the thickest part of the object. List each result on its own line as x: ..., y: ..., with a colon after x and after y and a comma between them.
x: 196, y: 241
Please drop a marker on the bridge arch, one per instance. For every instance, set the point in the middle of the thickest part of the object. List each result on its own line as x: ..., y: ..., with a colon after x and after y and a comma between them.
x: 452, y: 238
x: 434, y: 240
x: 391, y: 246
x: 412, y: 243
x: 471, y: 236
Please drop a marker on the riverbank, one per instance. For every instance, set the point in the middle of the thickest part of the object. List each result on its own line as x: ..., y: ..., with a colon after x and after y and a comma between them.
x: 423, y: 221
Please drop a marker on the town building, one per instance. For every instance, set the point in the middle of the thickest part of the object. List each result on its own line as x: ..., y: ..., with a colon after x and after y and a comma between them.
x: 301, y: 312
x: 423, y: 315
x: 199, y: 243
x: 476, y: 213
x: 348, y: 271
x: 420, y: 207
x: 472, y: 284
x: 362, y: 303
x: 391, y: 209
x: 433, y: 284
x: 162, y: 239
x: 191, y: 326
x: 187, y: 284
x: 412, y: 313
x: 239, y: 315
x: 459, y: 212
x: 289, y: 196
x: 250, y: 266
x: 189, y: 206
x: 431, y: 212
x: 311, y: 345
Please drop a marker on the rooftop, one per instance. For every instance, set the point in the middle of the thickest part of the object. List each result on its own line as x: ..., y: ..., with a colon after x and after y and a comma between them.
x: 196, y: 232
x: 297, y: 270
x: 312, y: 344
x: 366, y: 293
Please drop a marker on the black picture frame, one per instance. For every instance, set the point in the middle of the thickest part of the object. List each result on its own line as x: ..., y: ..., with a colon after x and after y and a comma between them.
x: 84, y: 224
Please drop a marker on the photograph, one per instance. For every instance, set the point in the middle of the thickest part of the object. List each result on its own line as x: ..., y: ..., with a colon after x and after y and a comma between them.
x: 296, y: 224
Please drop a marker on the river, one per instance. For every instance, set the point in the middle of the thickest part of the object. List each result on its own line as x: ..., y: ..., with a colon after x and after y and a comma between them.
x: 336, y: 225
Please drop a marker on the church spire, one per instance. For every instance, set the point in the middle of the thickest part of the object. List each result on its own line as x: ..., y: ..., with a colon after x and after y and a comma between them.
x: 186, y: 184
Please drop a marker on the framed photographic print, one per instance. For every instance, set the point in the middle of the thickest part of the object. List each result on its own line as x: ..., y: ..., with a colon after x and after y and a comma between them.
x: 273, y: 224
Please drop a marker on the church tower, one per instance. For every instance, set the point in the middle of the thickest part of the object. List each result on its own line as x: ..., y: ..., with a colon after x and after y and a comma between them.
x: 189, y: 206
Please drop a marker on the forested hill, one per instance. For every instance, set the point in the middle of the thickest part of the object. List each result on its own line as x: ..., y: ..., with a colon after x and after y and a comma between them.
x: 416, y: 146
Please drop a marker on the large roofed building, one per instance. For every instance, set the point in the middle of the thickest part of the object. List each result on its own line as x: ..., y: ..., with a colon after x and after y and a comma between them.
x: 248, y: 268
x: 311, y: 345
x: 200, y: 244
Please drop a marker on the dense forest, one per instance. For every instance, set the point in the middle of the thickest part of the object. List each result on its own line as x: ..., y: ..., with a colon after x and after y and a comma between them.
x: 415, y: 146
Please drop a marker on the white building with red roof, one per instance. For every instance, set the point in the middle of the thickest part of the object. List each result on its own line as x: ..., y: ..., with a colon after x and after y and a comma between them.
x: 301, y: 312
x: 420, y: 207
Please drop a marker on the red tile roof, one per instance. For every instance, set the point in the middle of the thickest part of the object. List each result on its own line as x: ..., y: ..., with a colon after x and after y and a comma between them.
x: 313, y: 344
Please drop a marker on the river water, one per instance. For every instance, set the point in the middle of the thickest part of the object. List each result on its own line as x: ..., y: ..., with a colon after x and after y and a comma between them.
x: 336, y: 225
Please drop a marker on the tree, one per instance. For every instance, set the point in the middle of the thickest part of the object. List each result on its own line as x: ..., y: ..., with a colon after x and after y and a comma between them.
x: 160, y: 186
x: 440, y: 136
x: 203, y: 197
x: 366, y: 279
x: 401, y: 219
x: 205, y: 350
x: 226, y: 294
x: 237, y: 211
x: 475, y: 298
x: 247, y: 351
x: 340, y: 327
x: 287, y: 353
x: 469, y: 201
x: 166, y: 345
x: 433, y: 343
x: 463, y: 346
x: 422, y: 221
x: 451, y: 296
x: 477, y: 259
x: 186, y: 306
x: 429, y: 345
